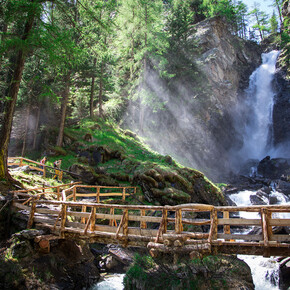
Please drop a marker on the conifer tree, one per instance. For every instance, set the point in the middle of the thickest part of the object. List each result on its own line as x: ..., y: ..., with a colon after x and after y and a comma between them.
x: 261, y: 21
x: 273, y: 23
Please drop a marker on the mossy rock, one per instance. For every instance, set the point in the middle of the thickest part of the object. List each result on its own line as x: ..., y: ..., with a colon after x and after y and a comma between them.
x: 131, y: 134
x: 171, y: 195
x: 58, y: 151
x: 121, y: 176
x: 95, y: 127
x: 102, y: 179
x: 149, y: 180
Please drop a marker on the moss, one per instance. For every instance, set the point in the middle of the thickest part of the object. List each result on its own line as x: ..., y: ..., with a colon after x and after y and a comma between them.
x: 11, y: 276
x: 58, y: 150
x: 212, y: 272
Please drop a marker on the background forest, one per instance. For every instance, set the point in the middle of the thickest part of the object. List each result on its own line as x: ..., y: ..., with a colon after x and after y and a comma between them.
x: 65, y: 60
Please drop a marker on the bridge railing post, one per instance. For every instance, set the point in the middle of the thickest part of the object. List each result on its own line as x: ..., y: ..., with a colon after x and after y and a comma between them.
x: 265, y: 224
x: 143, y: 224
x: 63, y: 219
x: 178, y: 221
x: 93, y: 219
x: 31, y: 215
x: 124, y: 194
x: 74, y: 193
x: 98, y: 194
x: 213, y: 226
x: 84, y: 209
x: 227, y: 228
x: 58, y: 193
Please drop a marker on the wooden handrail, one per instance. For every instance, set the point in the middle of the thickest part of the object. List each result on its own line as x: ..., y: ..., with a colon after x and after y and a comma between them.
x: 123, y: 192
x: 129, y: 223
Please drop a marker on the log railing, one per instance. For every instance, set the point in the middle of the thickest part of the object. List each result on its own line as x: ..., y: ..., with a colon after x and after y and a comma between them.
x: 73, y: 192
x: 69, y: 191
x: 25, y: 196
x: 21, y: 161
x: 184, y: 228
x: 34, y: 165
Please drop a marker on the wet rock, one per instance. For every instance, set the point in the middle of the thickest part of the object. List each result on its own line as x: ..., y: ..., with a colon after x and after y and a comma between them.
x: 25, y: 168
x: 284, y: 274
x: 273, y: 168
x: 273, y: 199
x: 262, y: 194
x: 284, y: 186
x: 256, y: 200
x: 28, y: 234
x: 249, y: 167
x: 123, y: 255
x: 111, y: 263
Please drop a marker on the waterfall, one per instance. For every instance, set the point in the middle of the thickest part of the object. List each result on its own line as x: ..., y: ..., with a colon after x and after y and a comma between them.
x: 259, y: 103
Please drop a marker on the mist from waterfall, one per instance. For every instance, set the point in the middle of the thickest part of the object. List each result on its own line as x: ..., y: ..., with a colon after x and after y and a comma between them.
x: 260, y: 100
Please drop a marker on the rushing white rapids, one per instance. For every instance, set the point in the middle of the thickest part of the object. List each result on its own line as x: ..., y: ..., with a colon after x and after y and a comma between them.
x: 260, y: 100
x: 112, y: 282
x: 264, y: 270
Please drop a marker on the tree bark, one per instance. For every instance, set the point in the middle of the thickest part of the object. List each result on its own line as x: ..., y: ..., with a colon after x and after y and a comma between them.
x: 13, y: 88
x: 101, y: 91
x: 92, y: 92
x: 65, y: 97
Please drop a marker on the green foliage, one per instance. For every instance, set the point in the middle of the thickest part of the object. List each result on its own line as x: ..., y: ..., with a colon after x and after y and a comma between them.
x: 273, y: 23
x: 211, y: 272
x: 261, y: 22
x: 11, y: 276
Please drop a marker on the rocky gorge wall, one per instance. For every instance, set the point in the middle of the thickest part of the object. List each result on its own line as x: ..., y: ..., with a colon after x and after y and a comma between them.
x: 197, y: 122
x: 281, y: 110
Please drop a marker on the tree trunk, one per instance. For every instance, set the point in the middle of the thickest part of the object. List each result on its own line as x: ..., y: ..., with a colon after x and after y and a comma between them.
x: 36, y: 128
x: 92, y: 92
x: 280, y: 15
x: 101, y: 91
x: 4, y: 30
x: 25, y: 131
x: 65, y: 97
x: 13, y: 88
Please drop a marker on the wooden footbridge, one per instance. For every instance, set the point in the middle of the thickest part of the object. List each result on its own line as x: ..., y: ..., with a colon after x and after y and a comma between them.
x: 74, y: 211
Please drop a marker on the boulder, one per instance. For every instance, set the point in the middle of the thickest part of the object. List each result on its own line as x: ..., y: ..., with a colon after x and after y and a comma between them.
x: 85, y: 173
x: 284, y: 274
x: 284, y: 186
x: 273, y: 168
x: 256, y: 200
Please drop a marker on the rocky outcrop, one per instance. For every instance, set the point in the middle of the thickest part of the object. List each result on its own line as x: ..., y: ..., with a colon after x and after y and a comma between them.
x: 281, y: 109
x: 68, y: 264
x: 177, y: 186
x: 274, y: 168
x: 196, y: 123
x: 213, y: 272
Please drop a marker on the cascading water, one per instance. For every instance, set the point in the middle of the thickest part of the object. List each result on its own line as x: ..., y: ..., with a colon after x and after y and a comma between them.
x: 264, y: 270
x: 258, y: 144
x: 112, y: 282
x: 260, y: 100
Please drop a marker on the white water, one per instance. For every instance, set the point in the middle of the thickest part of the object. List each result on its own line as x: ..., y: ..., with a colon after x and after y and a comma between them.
x: 260, y: 100
x: 112, y: 282
x: 263, y: 269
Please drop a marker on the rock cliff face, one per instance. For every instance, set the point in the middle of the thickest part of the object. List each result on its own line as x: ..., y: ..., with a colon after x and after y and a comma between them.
x: 196, y: 124
x: 281, y: 109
